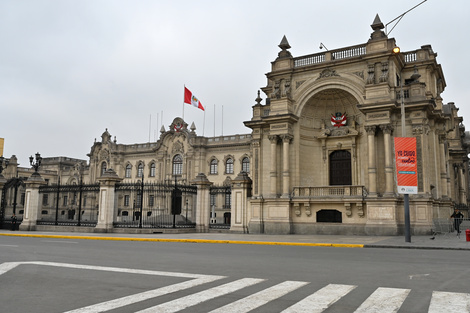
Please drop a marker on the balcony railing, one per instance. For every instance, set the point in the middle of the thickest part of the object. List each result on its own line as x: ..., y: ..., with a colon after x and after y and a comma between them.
x: 329, y: 192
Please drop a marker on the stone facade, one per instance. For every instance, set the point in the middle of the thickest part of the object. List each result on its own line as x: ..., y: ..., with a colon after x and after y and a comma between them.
x: 320, y: 156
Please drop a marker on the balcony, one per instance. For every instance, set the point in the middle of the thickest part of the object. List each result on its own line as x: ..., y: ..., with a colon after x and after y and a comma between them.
x: 329, y: 193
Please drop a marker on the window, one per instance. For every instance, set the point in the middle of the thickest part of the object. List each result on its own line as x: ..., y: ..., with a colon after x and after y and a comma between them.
x: 228, y: 200
x: 23, y: 197
x: 44, y: 212
x: 103, y: 168
x: 125, y: 213
x: 126, y: 200
x: 128, y: 171
x: 229, y: 166
x: 246, y: 165
x: 151, y: 200
x: 212, y: 200
x: 213, y: 168
x: 84, y: 200
x: 65, y: 200
x: 177, y: 165
x: 140, y: 170
x: 45, y: 199
x: 152, y: 170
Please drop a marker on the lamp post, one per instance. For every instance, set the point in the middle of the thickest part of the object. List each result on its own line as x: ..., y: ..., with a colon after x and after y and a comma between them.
x: 35, y: 163
x: 406, y: 197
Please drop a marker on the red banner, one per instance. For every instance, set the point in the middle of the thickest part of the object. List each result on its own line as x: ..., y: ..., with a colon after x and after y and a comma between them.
x: 407, y: 165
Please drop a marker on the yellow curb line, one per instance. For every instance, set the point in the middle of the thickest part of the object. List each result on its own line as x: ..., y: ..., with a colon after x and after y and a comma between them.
x: 341, y: 245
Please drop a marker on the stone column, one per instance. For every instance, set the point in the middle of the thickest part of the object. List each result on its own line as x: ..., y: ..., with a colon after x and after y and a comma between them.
x: 202, y: 208
x: 241, y: 191
x: 107, y: 201
x: 387, y: 130
x: 462, y: 193
x: 32, y: 200
x: 286, y: 139
x: 372, y: 163
x: 273, y: 172
x: 443, y: 170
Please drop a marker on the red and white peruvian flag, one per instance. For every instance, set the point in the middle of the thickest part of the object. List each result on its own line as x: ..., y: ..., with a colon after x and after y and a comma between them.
x: 189, y: 98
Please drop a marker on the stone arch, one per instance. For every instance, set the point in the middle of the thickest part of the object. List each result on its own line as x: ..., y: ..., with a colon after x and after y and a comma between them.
x: 325, y: 95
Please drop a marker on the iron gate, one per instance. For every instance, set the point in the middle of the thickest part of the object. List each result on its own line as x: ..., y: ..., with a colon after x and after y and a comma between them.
x: 69, y: 205
x: 149, y: 205
x: 12, y: 203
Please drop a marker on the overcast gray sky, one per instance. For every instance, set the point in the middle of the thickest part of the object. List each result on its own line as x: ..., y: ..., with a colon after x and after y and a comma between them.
x: 71, y: 69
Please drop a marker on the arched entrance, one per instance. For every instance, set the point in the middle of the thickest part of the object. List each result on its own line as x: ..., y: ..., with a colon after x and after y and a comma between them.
x: 340, y: 168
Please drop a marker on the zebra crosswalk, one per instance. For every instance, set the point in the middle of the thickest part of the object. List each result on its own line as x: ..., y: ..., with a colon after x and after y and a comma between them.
x: 261, y: 294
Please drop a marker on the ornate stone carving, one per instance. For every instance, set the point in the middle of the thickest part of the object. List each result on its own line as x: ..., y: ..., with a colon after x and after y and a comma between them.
x: 298, y: 83
x: 276, y: 94
x: 273, y: 138
x: 386, y: 128
x: 384, y: 76
x: 327, y: 73
x: 287, y: 89
x: 370, y: 129
x: 370, y: 74
x: 360, y: 74
x: 178, y: 147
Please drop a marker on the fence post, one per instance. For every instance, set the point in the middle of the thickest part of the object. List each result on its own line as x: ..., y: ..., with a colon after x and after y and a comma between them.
x: 202, y: 207
x: 31, y: 206
x: 2, y: 213
x: 241, y: 191
x: 107, y: 201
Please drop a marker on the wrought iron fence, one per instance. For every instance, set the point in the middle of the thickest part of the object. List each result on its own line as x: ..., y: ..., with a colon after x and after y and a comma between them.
x: 148, y: 205
x: 69, y: 205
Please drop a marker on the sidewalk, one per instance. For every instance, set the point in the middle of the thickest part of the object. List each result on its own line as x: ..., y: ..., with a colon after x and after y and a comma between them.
x: 446, y: 242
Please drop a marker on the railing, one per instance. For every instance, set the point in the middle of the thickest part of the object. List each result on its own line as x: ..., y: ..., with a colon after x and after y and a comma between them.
x: 329, y: 192
x: 339, y: 54
x: 410, y: 57
x: 349, y: 52
x: 309, y: 59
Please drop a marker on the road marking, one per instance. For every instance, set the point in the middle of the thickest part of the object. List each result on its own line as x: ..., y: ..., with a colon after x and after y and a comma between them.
x: 5, y: 267
x: 258, y: 299
x: 320, y: 300
x: 450, y: 302
x: 199, y: 297
x: 384, y: 300
x: 14, y: 246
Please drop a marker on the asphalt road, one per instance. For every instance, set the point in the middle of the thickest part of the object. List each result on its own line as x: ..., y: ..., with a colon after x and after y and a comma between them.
x: 62, y: 275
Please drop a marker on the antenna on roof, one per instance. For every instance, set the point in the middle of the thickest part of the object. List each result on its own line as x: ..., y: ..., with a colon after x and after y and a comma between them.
x: 399, y: 17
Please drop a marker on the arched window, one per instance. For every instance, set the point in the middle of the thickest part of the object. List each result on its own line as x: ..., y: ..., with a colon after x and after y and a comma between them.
x: 140, y: 170
x: 246, y: 165
x: 152, y: 170
x: 213, y: 169
x: 178, y: 165
x: 103, y: 168
x: 128, y: 171
x: 229, y: 166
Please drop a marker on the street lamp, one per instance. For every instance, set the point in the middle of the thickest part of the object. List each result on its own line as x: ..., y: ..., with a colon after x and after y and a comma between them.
x: 406, y: 197
x: 35, y: 163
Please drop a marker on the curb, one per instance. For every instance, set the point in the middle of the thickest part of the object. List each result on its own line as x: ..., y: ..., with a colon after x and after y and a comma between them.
x: 243, y: 242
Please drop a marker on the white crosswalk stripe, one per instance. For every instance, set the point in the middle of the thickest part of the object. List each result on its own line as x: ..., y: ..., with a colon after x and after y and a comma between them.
x: 320, y: 300
x: 191, y: 300
x: 384, y: 300
x: 449, y: 302
x: 260, y: 298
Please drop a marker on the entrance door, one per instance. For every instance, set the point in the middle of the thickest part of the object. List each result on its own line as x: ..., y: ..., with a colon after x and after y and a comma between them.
x: 340, y: 168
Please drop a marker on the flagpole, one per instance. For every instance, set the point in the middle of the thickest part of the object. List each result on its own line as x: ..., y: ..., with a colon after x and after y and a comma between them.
x: 214, y: 120
x: 150, y: 126
x: 203, y: 123
x: 222, y: 119
x: 184, y: 88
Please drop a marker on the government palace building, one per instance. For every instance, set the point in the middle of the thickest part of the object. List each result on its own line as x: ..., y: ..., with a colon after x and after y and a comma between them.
x: 319, y: 158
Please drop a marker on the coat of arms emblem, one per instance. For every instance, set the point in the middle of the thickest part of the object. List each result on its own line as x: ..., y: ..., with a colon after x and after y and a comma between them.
x: 338, y: 119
